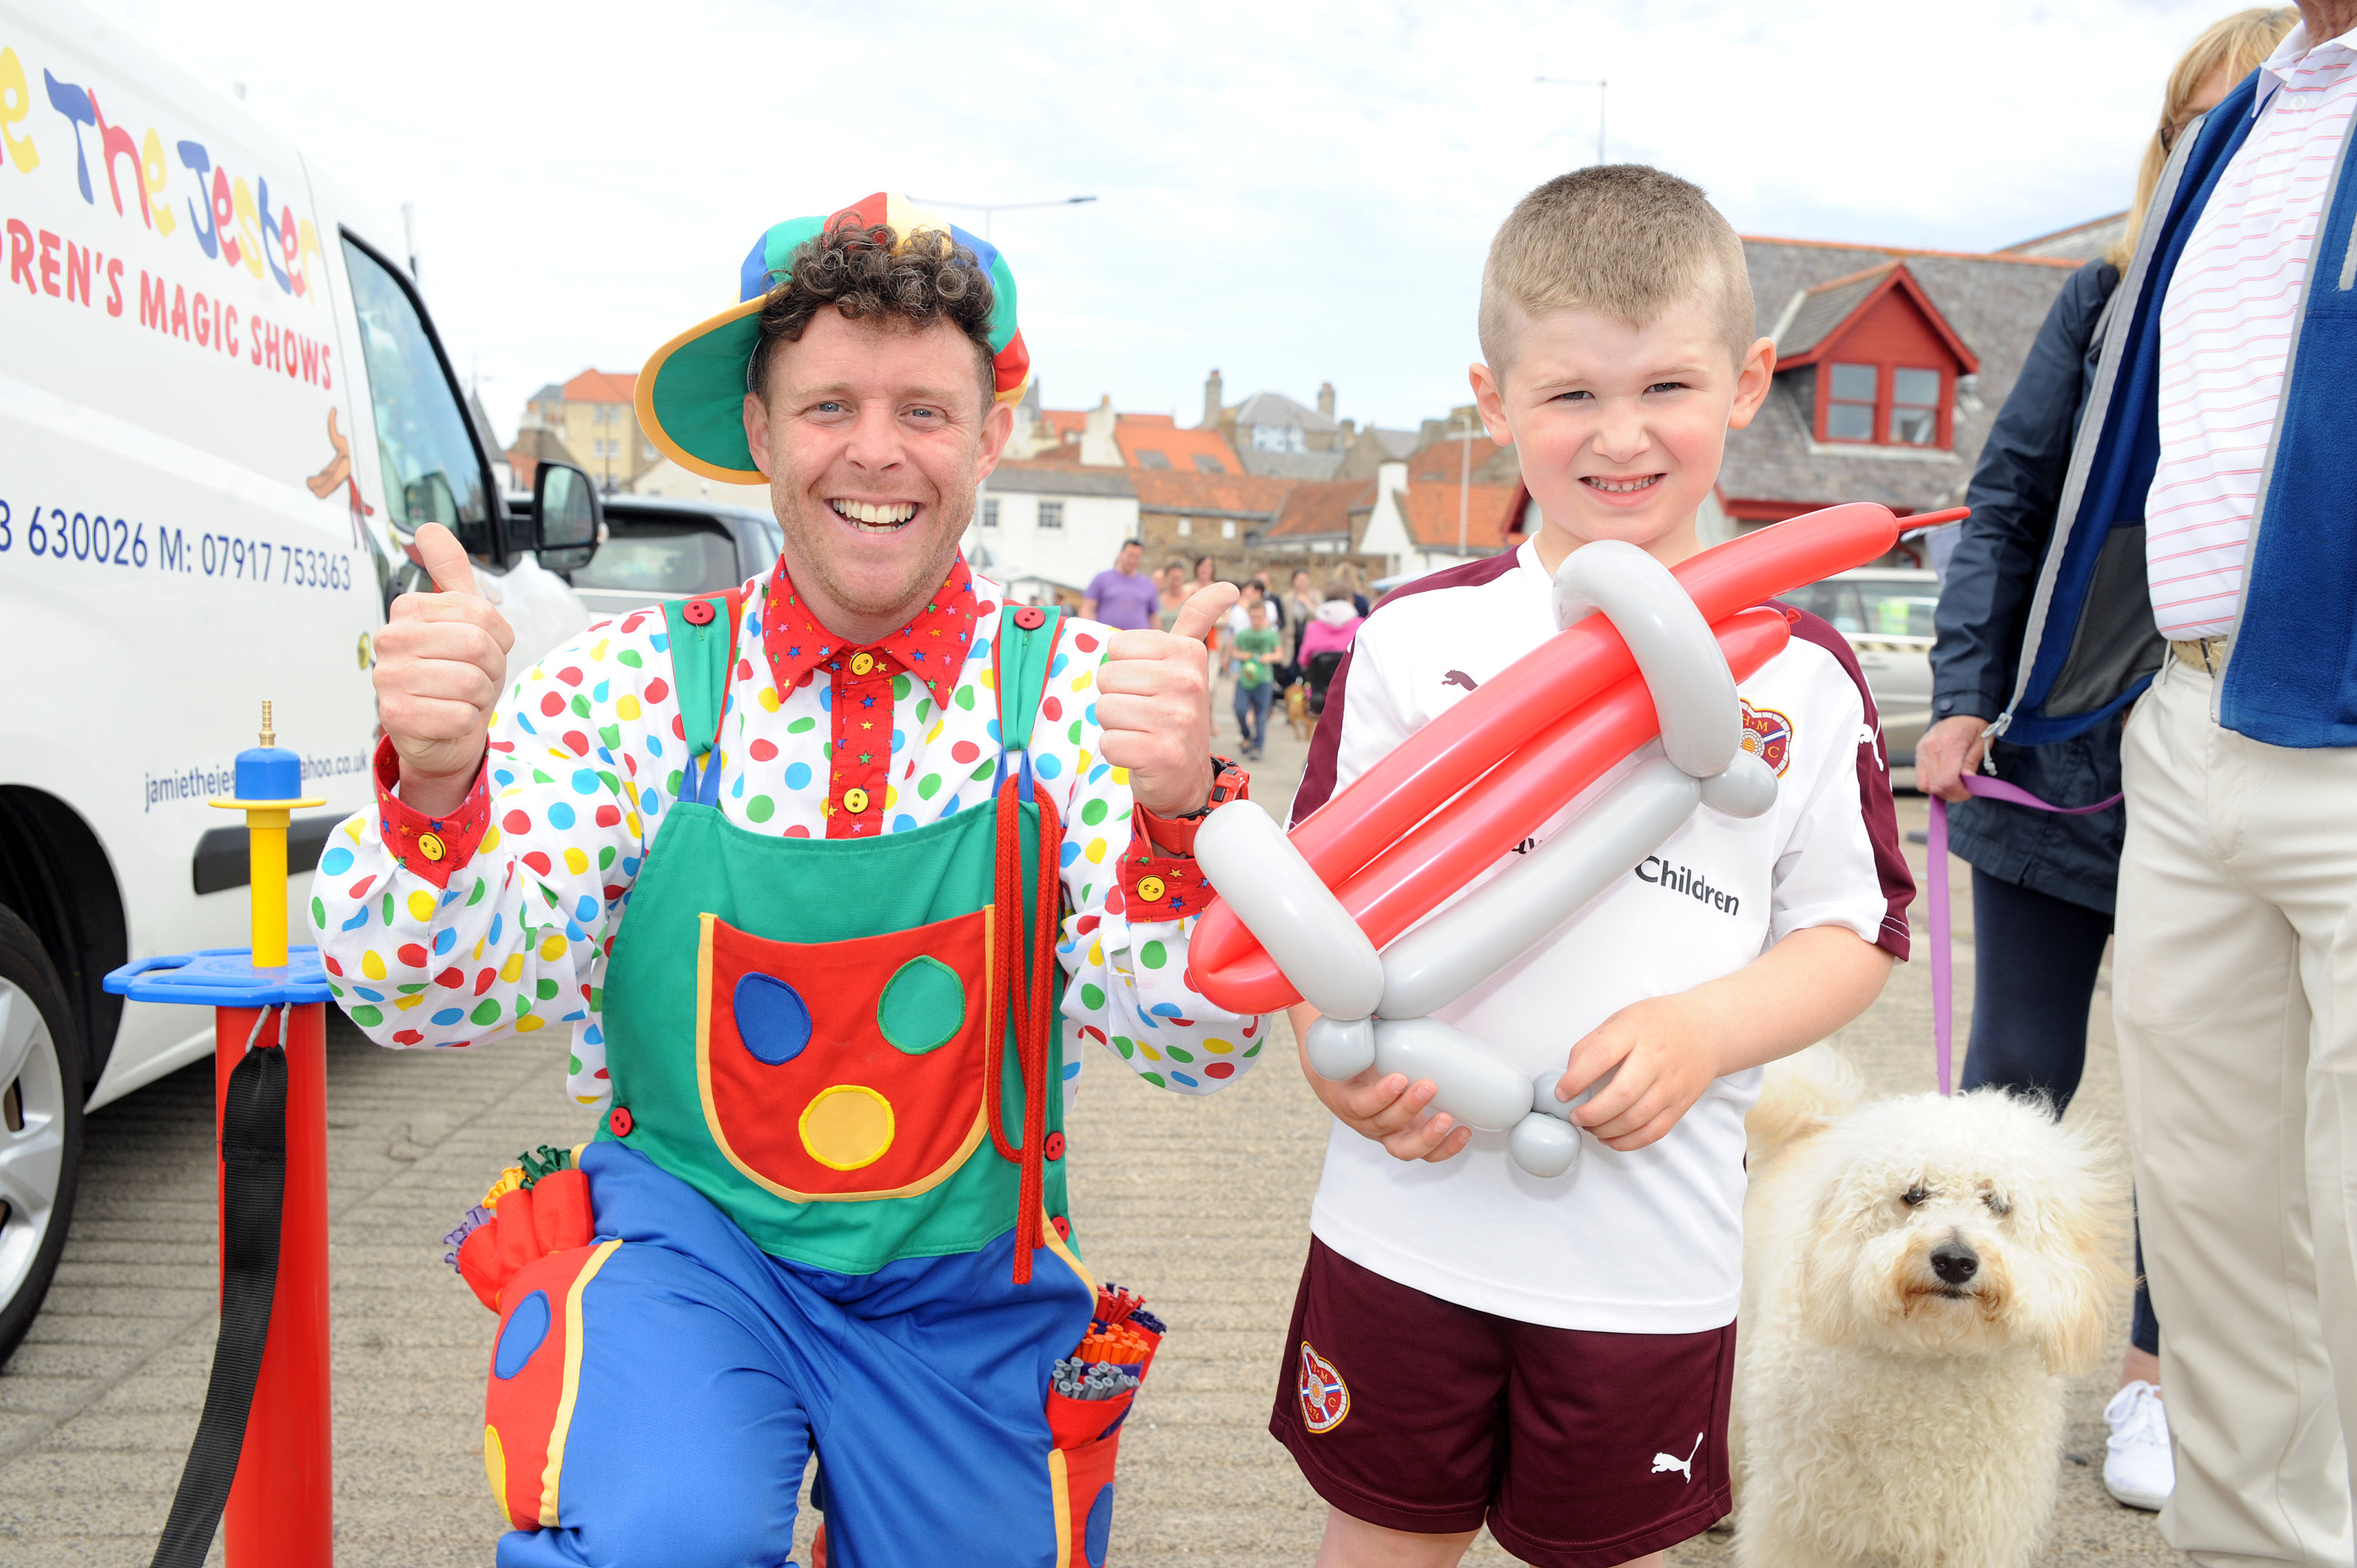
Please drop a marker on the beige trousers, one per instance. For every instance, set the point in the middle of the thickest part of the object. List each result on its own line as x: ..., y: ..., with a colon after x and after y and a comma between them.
x: 2235, y: 1002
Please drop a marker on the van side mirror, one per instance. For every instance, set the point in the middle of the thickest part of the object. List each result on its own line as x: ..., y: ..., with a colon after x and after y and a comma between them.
x: 565, y: 516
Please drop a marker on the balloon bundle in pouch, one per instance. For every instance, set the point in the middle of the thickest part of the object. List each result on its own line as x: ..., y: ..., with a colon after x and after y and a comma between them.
x: 1091, y: 1390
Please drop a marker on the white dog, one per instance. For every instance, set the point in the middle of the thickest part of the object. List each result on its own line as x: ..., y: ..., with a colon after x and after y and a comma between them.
x: 1919, y: 1274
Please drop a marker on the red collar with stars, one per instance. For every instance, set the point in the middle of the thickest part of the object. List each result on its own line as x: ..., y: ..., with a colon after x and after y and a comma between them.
x: 931, y: 646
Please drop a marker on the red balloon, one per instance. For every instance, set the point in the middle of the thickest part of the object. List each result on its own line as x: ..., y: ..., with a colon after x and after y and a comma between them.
x: 1417, y: 826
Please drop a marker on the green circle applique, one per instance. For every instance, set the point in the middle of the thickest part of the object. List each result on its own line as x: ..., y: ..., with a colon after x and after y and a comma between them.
x: 922, y: 1007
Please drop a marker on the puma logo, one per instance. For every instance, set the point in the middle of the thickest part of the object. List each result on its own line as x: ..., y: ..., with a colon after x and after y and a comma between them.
x: 1458, y: 677
x: 1662, y: 1462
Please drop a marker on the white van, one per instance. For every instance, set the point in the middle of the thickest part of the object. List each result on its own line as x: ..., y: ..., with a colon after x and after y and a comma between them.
x: 224, y: 411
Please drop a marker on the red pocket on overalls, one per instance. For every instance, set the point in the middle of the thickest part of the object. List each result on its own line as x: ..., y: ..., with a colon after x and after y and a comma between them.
x: 1090, y: 1395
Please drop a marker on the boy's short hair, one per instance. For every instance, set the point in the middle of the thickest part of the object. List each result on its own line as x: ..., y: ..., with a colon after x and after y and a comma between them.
x: 1624, y: 239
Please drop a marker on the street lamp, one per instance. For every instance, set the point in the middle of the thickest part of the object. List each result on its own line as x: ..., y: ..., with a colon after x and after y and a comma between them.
x: 1600, y: 86
x: 989, y: 209
x: 1464, y: 480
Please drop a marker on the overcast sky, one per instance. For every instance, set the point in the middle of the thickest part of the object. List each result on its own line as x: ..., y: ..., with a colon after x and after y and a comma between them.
x: 1292, y: 192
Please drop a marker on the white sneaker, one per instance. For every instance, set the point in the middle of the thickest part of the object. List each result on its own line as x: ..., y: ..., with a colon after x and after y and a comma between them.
x: 2138, y: 1469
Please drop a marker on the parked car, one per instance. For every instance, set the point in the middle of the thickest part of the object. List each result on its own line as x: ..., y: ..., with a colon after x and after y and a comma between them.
x: 228, y: 412
x: 1886, y: 613
x: 657, y: 549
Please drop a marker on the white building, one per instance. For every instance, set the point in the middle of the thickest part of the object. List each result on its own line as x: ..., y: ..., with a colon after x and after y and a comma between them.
x: 1046, y: 528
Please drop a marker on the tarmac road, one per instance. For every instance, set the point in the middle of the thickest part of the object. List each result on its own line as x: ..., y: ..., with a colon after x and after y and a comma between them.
x: 1200, y: 1204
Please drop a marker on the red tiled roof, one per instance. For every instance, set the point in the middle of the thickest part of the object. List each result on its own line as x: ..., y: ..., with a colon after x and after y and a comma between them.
x: 1444, y: 460
x: 1176, y: 491
x: 1430, y: 511
x: 1317, y: 509
x: 1136, y: 433
x: 1065, y: 421
x: 602, y: 386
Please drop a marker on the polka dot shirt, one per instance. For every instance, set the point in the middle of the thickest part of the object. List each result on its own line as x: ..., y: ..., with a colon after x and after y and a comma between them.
x: 498, y: 920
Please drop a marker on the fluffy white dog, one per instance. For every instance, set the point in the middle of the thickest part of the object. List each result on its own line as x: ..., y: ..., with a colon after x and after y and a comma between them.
x: 1919, y: 1276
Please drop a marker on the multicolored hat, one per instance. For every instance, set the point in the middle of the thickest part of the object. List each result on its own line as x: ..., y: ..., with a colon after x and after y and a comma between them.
x: 691, y: 396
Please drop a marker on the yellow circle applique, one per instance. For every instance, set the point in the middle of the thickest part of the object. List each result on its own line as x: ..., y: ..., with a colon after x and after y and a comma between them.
x: 1150, y: 888
x: 855, y: 800
x: 848, y: 1126
x: 495, y: 1470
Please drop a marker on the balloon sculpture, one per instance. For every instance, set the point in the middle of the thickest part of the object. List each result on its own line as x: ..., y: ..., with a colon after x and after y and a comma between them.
x: 1324, y: 915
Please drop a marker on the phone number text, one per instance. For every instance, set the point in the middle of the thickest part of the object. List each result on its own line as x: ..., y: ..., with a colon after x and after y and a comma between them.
x: 59, y: 535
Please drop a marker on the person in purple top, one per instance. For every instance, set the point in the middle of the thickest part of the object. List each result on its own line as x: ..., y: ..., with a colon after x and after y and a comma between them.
x: 1123, y: 597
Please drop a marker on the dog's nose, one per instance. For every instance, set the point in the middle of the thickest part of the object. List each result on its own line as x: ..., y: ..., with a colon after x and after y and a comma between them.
x: 1954, y: 1262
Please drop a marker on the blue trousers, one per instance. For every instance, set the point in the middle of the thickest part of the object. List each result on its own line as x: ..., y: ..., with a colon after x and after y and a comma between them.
x: 2035, y: 960
x: 708, y: 1371
x: 1252, y: 711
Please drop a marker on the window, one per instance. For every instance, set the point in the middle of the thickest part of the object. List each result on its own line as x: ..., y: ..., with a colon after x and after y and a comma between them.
x: 1870, y: 608
x: 1149, y: 458
x: 990, y: 511
x: 1206, y: 464
x: 1915, y: 407
x: 1849, y: 402
x: 1186, y: 527
x: 1277, y: 438
x: 661, y: 557
x: 1228, y: 530
x: 432, y: 472
x: 1051, y: 514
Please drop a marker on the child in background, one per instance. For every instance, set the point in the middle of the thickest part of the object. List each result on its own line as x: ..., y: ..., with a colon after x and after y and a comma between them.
x: 1471, y: 1344
x: 1250, y: 655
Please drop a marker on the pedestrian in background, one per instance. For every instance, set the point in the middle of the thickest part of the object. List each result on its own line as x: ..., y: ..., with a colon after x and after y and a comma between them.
x: 1251, y: 652
x: 1174, y: 591
x: 1301, y: 608
x: 1123, y: 597
x: 2044, y: 883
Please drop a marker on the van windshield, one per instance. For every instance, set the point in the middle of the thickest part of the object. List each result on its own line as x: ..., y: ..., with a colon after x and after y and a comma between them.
x: 431, y: 471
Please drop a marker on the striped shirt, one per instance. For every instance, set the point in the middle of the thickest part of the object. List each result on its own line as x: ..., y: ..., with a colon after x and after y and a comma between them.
x: 2226, y: 331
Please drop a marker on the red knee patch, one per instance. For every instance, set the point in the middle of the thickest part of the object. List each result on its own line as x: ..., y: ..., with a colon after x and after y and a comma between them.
x: 535, y: 1365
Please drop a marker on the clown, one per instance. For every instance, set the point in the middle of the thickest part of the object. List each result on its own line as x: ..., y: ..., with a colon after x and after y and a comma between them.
x: 890, y: 848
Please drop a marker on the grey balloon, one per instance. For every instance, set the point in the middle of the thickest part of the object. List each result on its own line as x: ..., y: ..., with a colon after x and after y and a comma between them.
x: 1252, y: 865
x: 1476, y: 1088
x: 1340, y: 1047
x: 1473, y: 939
x: 1694, y: 692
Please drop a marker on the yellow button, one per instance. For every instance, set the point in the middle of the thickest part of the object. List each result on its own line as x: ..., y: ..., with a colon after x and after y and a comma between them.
x: 861, y: 663
x: 430, y: 846
x: 855, y: 800
x: 1150, y: 889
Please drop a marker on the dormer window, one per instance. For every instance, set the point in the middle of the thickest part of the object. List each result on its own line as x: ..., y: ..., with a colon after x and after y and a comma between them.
x: 1886, y: 360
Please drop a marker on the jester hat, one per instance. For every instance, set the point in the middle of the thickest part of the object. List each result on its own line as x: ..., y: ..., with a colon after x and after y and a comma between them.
x: 691, y: 396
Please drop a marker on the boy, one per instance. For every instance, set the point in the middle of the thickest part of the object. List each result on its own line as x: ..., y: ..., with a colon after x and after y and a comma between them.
x: 1471, y: 1344
x: 1250, y: 656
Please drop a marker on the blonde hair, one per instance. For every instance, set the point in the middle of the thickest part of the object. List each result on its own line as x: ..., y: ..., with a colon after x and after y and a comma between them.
x: 1623, y: 239
x: 2241, y: 44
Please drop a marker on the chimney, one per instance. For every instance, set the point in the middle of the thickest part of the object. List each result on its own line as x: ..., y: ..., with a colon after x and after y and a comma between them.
x: 1326, y: 398
x: 1098, y: 447
x: 1212, y: 402
x: 1350, y: 431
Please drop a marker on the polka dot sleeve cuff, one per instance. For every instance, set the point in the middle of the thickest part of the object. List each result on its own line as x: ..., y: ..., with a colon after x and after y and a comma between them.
x: 429, y: 848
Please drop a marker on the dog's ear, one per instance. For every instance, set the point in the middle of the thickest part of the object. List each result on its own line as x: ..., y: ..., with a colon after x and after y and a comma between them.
x: 1801, y: 1097
x: 2082, y: 1224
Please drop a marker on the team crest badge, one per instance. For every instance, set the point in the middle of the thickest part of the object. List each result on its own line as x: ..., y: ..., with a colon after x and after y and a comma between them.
x: 1768, y: 735
x: 1325, y: 1397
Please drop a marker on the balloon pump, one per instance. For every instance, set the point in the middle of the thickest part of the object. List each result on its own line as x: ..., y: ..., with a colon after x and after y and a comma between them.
x: 265, y: 998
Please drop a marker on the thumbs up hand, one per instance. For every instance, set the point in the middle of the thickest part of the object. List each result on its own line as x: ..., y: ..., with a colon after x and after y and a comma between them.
x: 442, y: 659
x: 1153, y: 706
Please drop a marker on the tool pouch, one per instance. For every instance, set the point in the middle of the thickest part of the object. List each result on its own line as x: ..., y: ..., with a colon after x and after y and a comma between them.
x: 1093, y: 1391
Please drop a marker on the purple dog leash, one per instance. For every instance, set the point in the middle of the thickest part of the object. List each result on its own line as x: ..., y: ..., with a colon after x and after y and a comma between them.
x: 1944, y: 978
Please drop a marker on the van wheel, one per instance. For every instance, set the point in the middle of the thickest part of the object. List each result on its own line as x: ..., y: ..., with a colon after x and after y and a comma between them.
x: 40, y: 1126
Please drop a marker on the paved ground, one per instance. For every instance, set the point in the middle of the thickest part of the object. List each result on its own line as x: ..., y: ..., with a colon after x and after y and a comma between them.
x: 97, y: 1408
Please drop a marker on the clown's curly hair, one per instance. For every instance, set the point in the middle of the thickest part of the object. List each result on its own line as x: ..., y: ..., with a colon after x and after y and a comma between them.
x: 867, y: 273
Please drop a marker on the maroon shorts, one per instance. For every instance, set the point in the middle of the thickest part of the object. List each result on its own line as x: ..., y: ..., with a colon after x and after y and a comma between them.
x: 1578, y: 1449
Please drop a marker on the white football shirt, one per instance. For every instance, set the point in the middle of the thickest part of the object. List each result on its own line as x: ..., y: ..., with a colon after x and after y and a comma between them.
x: 1648, y: 1242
